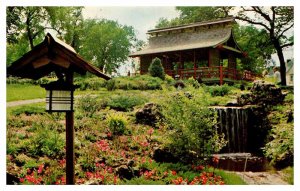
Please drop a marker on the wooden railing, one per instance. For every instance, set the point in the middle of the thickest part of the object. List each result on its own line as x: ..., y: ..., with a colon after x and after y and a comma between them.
x: 219, y: 72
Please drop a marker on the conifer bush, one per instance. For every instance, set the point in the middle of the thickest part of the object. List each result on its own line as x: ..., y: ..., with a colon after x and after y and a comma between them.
x: 156, y: 69
x: 117, y: 123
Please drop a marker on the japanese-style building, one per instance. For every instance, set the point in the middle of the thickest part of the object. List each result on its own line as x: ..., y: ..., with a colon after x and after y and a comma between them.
x: 206, y: 51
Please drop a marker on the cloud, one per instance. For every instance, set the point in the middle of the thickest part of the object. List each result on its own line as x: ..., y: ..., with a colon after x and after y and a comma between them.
x: 142, y: 18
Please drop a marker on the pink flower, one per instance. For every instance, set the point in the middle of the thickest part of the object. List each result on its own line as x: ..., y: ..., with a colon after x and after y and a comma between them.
x: 174, y: 172
x: 115, y: 179
x: 215, y: 160
x: 200, y: 167
x: 40, y: 170
x: 144, y: 144
x: 62, y: 162
x: 110, y: 170
x: 21, y: 180
x: 150, y: 131
x: 89, y: 175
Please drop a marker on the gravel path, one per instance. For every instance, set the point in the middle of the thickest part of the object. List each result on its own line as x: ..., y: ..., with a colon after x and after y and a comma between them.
x: 23, y: 102
x: 262, y: 178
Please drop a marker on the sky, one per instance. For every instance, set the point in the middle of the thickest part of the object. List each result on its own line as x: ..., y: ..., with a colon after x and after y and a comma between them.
x: 141, y: 18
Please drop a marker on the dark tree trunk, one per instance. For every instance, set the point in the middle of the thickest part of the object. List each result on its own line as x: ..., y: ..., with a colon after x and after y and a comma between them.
x: 29, y: 35
x: 281, y: 61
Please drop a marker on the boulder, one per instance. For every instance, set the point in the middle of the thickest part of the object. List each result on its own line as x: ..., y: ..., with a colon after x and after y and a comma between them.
x: 149, y: 114
x: 262, y: 94
x: 163, y: 155
x: 125, y: 172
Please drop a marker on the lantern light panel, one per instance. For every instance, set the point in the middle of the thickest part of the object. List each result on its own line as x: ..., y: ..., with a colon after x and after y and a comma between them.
x: 59, y: 100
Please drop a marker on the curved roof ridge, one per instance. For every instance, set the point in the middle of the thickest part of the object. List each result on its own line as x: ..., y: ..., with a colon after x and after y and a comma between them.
x: 186, y: 41
x: 190, y: 25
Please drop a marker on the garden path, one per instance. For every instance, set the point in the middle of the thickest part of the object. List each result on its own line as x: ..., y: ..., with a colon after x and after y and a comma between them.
x: 262, y: 178
x: 30, y: 101
x: 23, y: 102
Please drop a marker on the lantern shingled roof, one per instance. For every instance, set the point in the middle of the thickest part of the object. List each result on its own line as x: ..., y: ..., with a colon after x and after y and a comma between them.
x: 51, y: 55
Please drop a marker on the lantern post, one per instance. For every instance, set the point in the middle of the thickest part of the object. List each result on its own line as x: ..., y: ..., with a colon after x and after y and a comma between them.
x: 70, y: 168
x: 60, y: 98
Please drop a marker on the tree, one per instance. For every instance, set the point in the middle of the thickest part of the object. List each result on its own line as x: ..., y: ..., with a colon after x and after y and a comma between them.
x: 13, y: 21
x: 194, y: 14
x: 106, y: 43
x: 27, y: 26
x: 203, y: 13
x: 67, y: 22
x: 156, y: 69
x: 277, y: 22
x: 257, y: 44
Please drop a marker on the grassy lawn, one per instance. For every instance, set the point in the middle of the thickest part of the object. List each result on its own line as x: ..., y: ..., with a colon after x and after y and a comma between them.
x: 16, y: 92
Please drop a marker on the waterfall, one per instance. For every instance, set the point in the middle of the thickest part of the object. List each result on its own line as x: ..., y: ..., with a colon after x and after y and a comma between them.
x: 233, y: 122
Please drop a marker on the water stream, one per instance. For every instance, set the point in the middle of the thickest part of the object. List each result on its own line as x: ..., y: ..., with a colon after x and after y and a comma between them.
x: 233, y: 122
x: 237, y: 125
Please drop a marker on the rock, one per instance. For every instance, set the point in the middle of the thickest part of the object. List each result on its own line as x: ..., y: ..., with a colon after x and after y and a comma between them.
x: 149, y: 114
x: 163, y: 155
x: 93, y: 182
x: 263, y: 94
x: 130, y: 163
x: 290, y: 115
x: 232, y: 103
x: 188, y: 95
x: 242, y: 87
x: 125, y: 172
x: 179, y: 84
x: 11, y: 179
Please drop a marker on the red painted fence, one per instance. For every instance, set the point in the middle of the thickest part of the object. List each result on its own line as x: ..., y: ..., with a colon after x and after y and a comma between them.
x: 212, y: 72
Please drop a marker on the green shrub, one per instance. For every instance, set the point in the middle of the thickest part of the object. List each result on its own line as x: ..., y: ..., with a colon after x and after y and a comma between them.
x: 156, y: 69
x: 219, y: 90
x: 94, y: 83
x: 12, y: 148
x: 140, y: 82
x: 28, y: 110
x: 117, y: 124
x: 111, y: 85
x: 143, y: 181
x: 88, y: 105
x: 280, y: 150
x: 289, y: 175
x: 46, y: 142
x: 191, y: 124
x: 169, y: 80
x: 17, y: 80
x: 125, y: 102
x: 192, y: 82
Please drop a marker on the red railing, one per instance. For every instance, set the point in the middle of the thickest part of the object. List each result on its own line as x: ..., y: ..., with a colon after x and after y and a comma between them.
x: 219, y: 72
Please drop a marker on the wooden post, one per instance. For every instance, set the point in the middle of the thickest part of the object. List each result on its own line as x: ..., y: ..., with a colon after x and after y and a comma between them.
x: 221, y: 75
x: 70, y: 168
x: 194, y: 65
x: 209, y: 63
x: 181, y: 66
